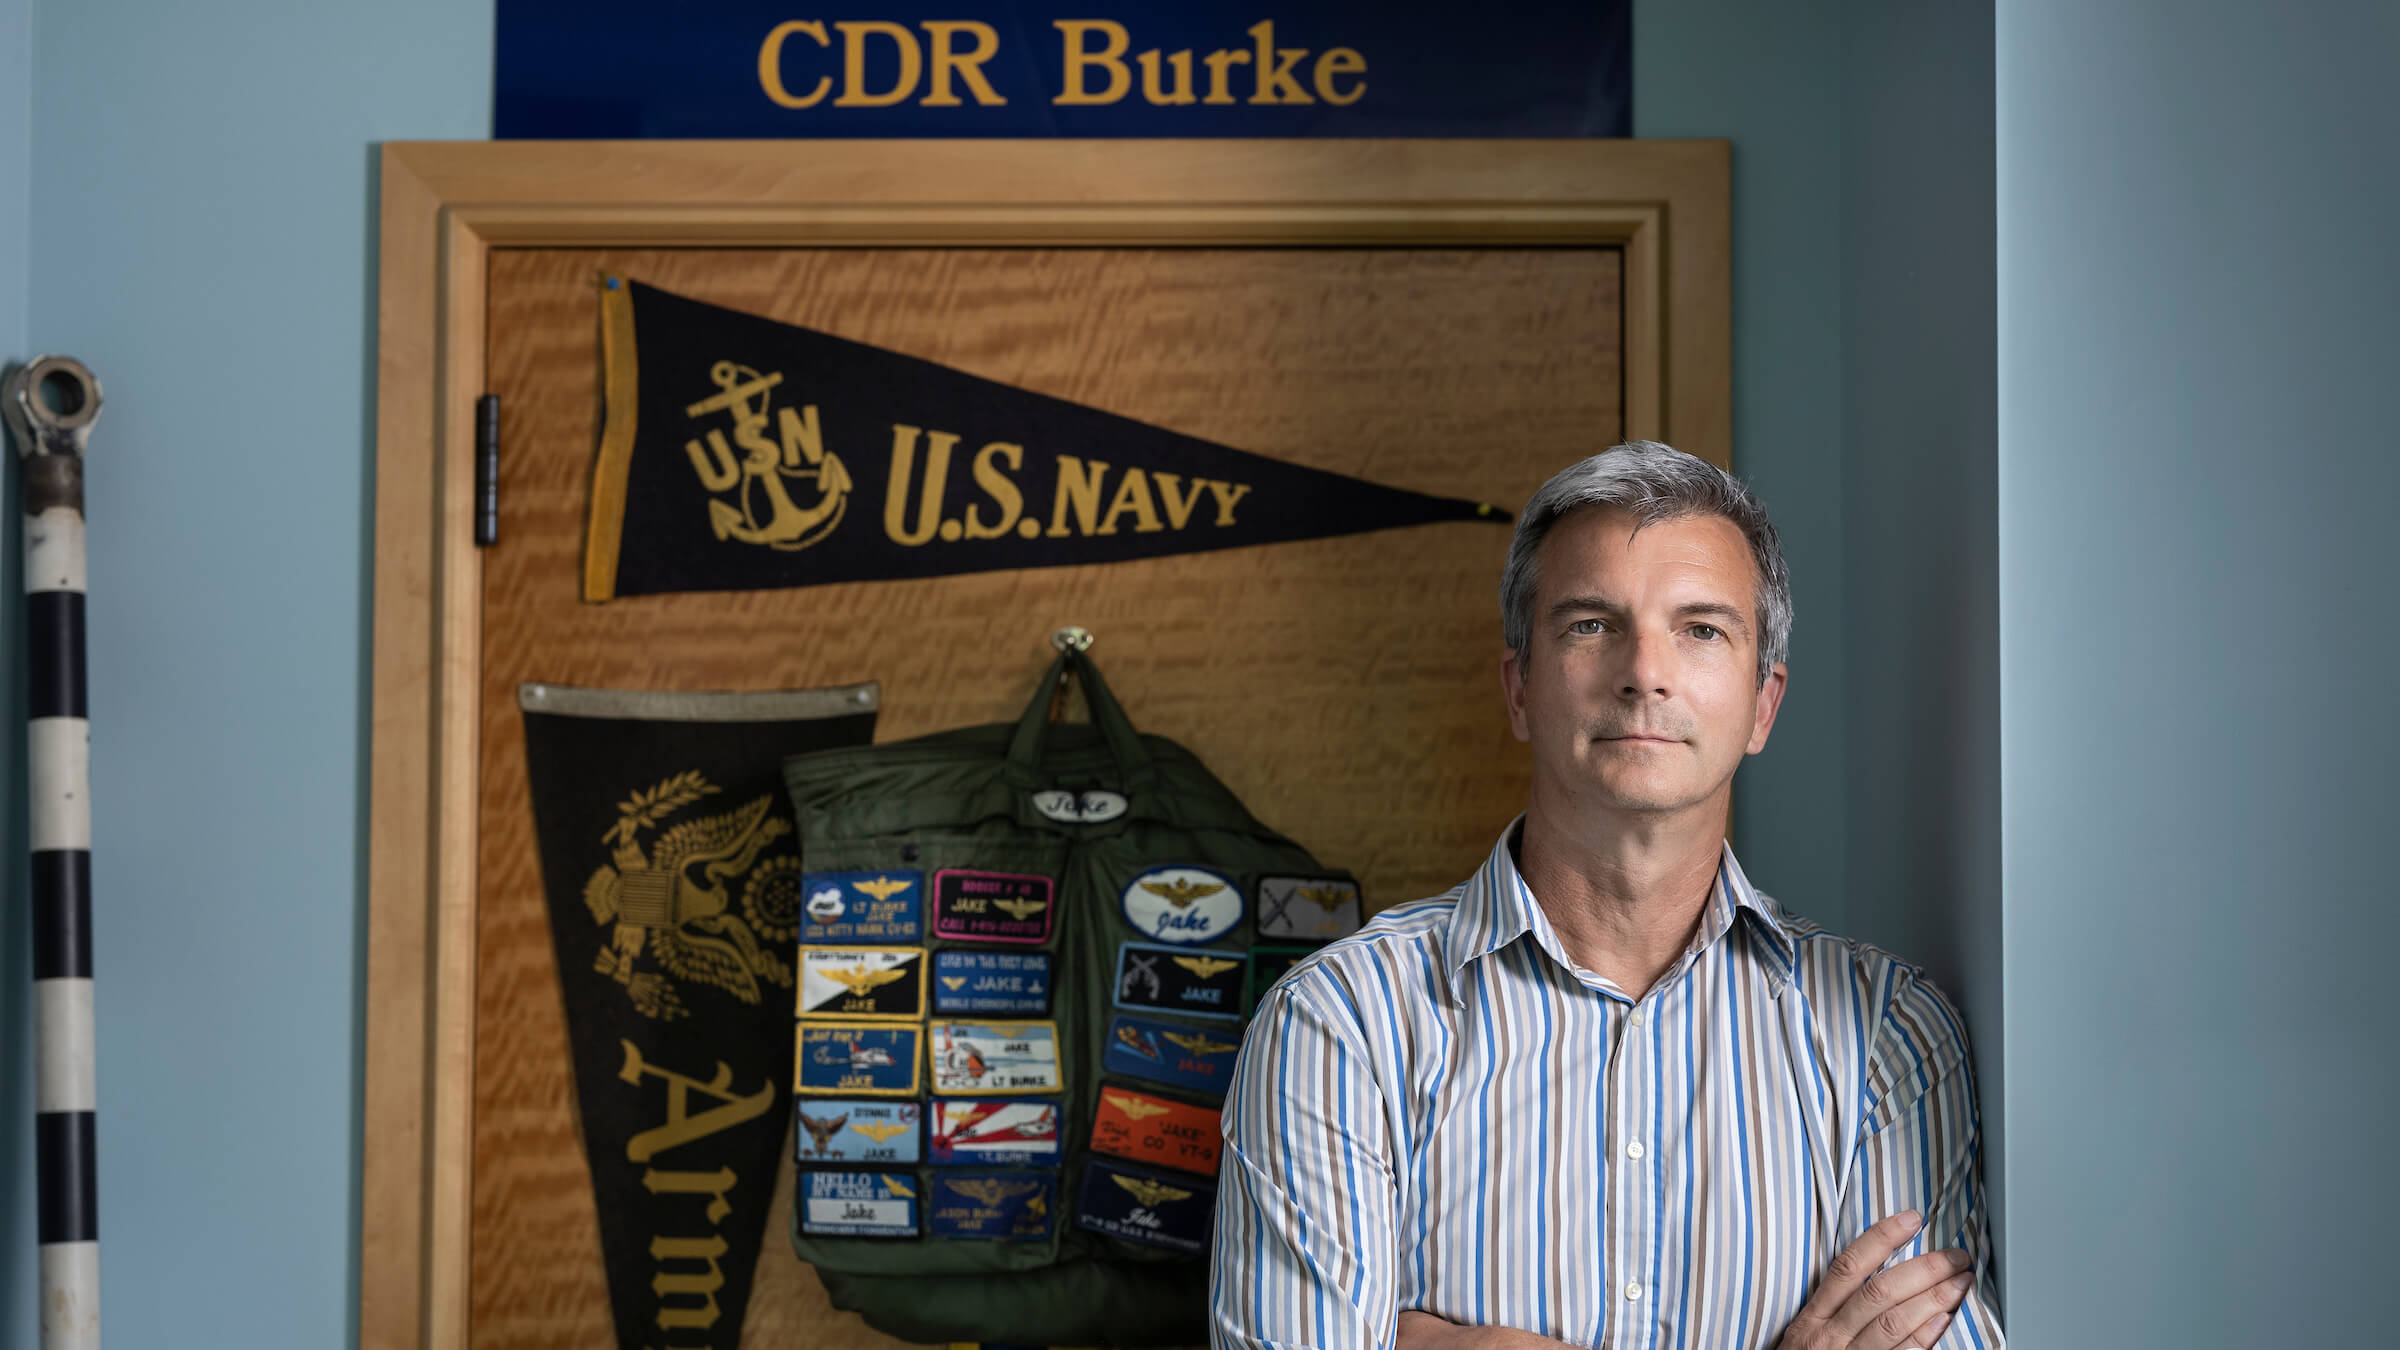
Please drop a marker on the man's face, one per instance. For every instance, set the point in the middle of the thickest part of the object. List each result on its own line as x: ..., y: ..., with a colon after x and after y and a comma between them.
x: 1640, y: 689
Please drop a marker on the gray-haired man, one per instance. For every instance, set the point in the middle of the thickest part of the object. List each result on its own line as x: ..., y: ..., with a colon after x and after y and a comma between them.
x: 1606, y: 1091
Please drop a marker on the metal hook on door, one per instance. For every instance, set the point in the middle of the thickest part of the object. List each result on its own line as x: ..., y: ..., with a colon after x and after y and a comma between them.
x: 1068, y: 639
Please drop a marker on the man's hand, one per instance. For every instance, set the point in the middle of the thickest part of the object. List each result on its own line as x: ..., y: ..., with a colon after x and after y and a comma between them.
x: 1860, y: 1306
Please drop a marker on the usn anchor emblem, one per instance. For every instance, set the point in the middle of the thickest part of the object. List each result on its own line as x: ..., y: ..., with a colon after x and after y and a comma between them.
x: 762, y: 510
x: 676, y: 902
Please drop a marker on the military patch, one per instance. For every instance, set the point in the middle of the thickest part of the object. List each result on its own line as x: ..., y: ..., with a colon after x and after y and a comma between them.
x: 1165, y: 979
x: 862, y: 907
x: 1308, y: 909
x: 1008, y: 1206
x: 858, y: 1204
x: 992, y: 906
x: 1080, y: 808
x: 1172, y: 1212
x: 1164, y: 1052
x: 882, y: 983
x: 1156, y: 1130
x: 1005, y: 983
x: 968, y: 1132
x: 1187, y: 906
x: 857, y: 1057
x: 1000, y: 1058
x: 1267, y: 965
x: 857, y: 1132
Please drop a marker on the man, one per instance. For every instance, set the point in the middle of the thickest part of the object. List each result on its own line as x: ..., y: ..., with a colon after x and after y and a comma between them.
x: 1606, y: 1092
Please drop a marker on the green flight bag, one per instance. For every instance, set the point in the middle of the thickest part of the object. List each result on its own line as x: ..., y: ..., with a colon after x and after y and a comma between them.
x: 1137, y: 837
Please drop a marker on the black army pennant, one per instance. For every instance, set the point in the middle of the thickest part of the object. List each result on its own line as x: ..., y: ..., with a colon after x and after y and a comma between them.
x: 673, y: 875
x: 738, y: 453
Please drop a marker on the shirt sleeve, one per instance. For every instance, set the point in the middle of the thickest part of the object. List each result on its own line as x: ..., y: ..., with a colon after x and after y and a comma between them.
x: 1923, y: 1148
x: 1306, y: 1245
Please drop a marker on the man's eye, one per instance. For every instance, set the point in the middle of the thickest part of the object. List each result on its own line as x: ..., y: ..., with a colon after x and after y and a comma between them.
x: 1584, y: 627
x: 1708, y: 631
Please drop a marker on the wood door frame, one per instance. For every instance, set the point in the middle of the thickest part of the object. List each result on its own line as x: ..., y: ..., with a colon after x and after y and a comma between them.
x: 445, y: 205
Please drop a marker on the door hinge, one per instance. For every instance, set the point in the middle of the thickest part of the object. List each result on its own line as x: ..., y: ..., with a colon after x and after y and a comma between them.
x: 487, y: 470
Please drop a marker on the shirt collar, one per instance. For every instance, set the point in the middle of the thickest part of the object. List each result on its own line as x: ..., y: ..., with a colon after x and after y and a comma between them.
x: 1495, y: 908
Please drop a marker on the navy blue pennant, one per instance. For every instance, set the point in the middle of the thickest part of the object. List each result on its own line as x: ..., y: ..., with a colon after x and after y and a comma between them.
x: 738, y: 453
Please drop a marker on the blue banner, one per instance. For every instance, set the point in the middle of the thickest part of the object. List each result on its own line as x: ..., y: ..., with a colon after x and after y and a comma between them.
x: 627, y: 69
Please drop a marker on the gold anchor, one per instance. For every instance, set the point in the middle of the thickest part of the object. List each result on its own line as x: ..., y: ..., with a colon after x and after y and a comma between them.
x: 765, y: 464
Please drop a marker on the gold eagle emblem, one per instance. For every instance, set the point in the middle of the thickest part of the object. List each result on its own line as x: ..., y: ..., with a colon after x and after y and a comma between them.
x: 990, y: 1190
x: 956, y: 982
x: 1020, y: 910
x: 1199, y: 1044
x: 878, y: 1131
x: 1328, y: 898
x: 1206, y: 967
x: 1147, y: 1193
x: 1181, y: 893
x: 675, y: 903
x: 859, y: 980
x: 896, y: 1186
x: 1134, y: 1107
x: 881, y: 888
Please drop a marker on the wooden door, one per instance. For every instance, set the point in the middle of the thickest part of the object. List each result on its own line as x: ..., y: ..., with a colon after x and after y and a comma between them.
x: 1346, y: 689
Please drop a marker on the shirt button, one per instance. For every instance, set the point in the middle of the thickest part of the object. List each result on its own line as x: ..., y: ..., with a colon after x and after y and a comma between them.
x: 1633, y: 1291
x: 1639, y: 1017
x: 1634, y: 1149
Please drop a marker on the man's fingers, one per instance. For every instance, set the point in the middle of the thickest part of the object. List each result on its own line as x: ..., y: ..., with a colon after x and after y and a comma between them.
x: 1897, y: 1326
x: 1859, y: 1261
x: 1924, y: 1337
x: 1888, y: 1294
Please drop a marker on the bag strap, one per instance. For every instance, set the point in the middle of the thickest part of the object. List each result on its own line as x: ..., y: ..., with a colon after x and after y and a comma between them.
x: 1124, y: 744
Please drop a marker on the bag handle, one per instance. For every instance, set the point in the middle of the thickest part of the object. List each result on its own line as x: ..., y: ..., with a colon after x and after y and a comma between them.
x: 1124, y: 745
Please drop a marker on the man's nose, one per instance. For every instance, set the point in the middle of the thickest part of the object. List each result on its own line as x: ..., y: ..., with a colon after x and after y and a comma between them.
x: 1647, y: 663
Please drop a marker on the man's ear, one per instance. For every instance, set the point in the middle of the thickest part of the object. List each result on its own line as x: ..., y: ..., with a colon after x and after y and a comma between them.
x: 1770, y: 699
x: 1512, y: 688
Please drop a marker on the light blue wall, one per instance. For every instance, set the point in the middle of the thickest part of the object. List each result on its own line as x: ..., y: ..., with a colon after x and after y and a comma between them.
x: 1920, y: 542
x: 2197, y: 277
x: 1768, y: 77
x: 202, y: 214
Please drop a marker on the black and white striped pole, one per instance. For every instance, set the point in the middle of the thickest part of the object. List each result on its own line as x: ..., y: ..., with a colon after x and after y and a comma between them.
x: 50, y: 405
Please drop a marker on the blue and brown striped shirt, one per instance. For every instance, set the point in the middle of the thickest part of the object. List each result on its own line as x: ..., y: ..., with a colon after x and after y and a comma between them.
x: 1443, y: 1112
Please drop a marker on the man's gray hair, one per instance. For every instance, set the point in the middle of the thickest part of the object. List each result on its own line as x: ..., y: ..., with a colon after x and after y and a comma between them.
x: 1652, y: 483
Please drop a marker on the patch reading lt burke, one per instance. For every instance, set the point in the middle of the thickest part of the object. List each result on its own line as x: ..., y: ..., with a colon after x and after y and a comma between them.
x: 858, y: 1204
x: 862, y: 906
x: 855, y: 1131
x: 862, y: 1058
x: 1009, y: 1132
x: 996, y: 1058
x: 1163, y: 1211
x: 1169, y: 979
x: 880, y: 983
x: 992, y: 906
